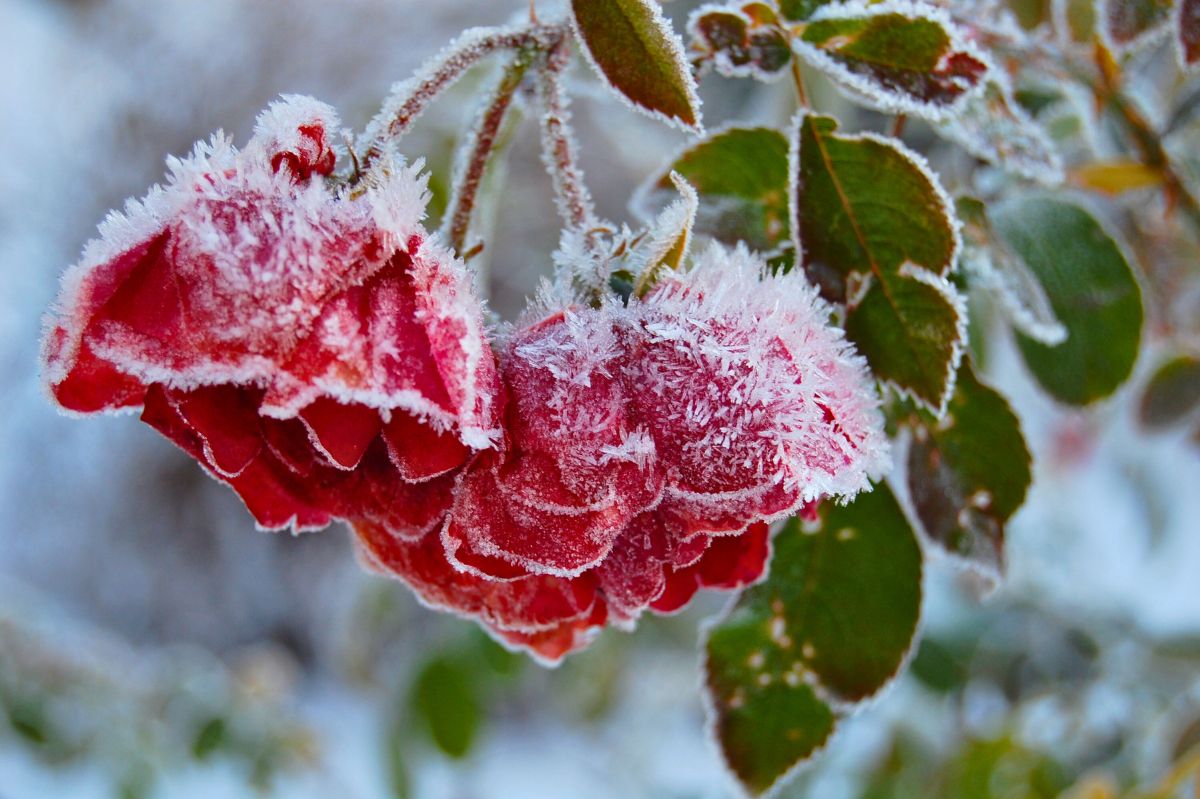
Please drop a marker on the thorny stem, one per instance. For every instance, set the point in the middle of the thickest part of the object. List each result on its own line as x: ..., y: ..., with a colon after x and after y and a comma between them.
x: 483, y: 139
x: 558, y: 145
x: 469, y: 49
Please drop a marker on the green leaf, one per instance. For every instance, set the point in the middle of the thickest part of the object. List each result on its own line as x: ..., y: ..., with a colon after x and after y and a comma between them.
x: 877, y: 232
x: 211, y: 736
x: 992, y: 266
x: 740, y: 175
x: 912, y: 60
x: 446, y: 700
x: 968, y: 474
x: 835, y: 619
x: 633, y: 47
x: 1173, y: 393
x: 1091, y: 288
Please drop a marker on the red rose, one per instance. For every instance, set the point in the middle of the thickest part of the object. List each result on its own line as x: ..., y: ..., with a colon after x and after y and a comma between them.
x: 307, y: 343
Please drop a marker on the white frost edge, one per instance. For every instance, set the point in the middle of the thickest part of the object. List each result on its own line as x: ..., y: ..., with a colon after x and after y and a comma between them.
x: 865, y: 89
x: 720, y: 61
x: 840, y: 708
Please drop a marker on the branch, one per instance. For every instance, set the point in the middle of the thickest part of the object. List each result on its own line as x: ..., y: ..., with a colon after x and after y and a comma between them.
x: 409, y: 98
x: 559, y: 152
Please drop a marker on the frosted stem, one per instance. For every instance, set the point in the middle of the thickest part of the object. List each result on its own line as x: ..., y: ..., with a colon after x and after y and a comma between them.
x: 481, y: 143
x: 559, y: 151
x: 409, y: 98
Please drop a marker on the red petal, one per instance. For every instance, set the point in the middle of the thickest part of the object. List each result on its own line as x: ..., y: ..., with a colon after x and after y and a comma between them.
x: 93, y: 384
x: 270, y: 491
x: 408, y: 510
x: 226, y: 419
x: 735, y: 561
x: 341, y: 432
x: 551, y: 646
x: 420, y: 452
x: 634, y: 572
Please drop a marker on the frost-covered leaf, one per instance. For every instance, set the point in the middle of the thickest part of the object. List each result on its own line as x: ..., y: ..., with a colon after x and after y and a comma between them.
x: 993, y: 127
x: 835, y: 620
x: 445, y: 699
x: 968, y: 473
x: 1173, y: 393
x: 633, y: 47
x: 737, y: 43
x: 991, y: 265
x: 897, y: 57
x: 740, y: 175
x: 1091, y: 288
x: 1187, y: 32
x: 876, y: 231
x: 1128, y: 24
x: 668, y: 238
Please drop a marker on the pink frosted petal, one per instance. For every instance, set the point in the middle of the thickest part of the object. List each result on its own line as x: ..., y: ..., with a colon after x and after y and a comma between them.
x: 488, y: 520
x: 535, y: 604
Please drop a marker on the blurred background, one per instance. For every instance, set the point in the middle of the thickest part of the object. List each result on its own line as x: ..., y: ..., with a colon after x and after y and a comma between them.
x: 153, y: 644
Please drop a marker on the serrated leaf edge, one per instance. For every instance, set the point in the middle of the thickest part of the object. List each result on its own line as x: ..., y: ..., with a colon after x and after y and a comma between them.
x: 918, y: 272
x: 640, y: 203
x: 842, y: 709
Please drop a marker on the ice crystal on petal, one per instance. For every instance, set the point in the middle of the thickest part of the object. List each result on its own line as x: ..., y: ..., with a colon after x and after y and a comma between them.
x: 756, y: 403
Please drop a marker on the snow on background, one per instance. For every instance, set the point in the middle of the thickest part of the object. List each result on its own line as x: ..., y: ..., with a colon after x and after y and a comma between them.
x: 121, y: 561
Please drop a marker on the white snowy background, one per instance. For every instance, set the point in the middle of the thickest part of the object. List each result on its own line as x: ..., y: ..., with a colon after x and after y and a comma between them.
x: 121, y: 561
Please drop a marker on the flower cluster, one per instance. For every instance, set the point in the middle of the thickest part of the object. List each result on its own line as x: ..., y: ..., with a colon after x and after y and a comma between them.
x: 311, y: 345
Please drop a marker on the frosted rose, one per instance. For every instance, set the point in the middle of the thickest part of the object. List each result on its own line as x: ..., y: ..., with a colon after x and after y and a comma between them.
x: 307, y: 343
x: 646, y: 449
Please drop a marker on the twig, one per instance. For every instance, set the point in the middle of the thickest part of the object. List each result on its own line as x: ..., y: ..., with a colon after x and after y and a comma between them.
x: 410, y: 98
x: 483, y: 140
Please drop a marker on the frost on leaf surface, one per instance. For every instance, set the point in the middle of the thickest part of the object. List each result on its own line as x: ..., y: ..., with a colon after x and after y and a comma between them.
x: 283, y: 331
x: 993, y: 126
x: 896, y: 56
